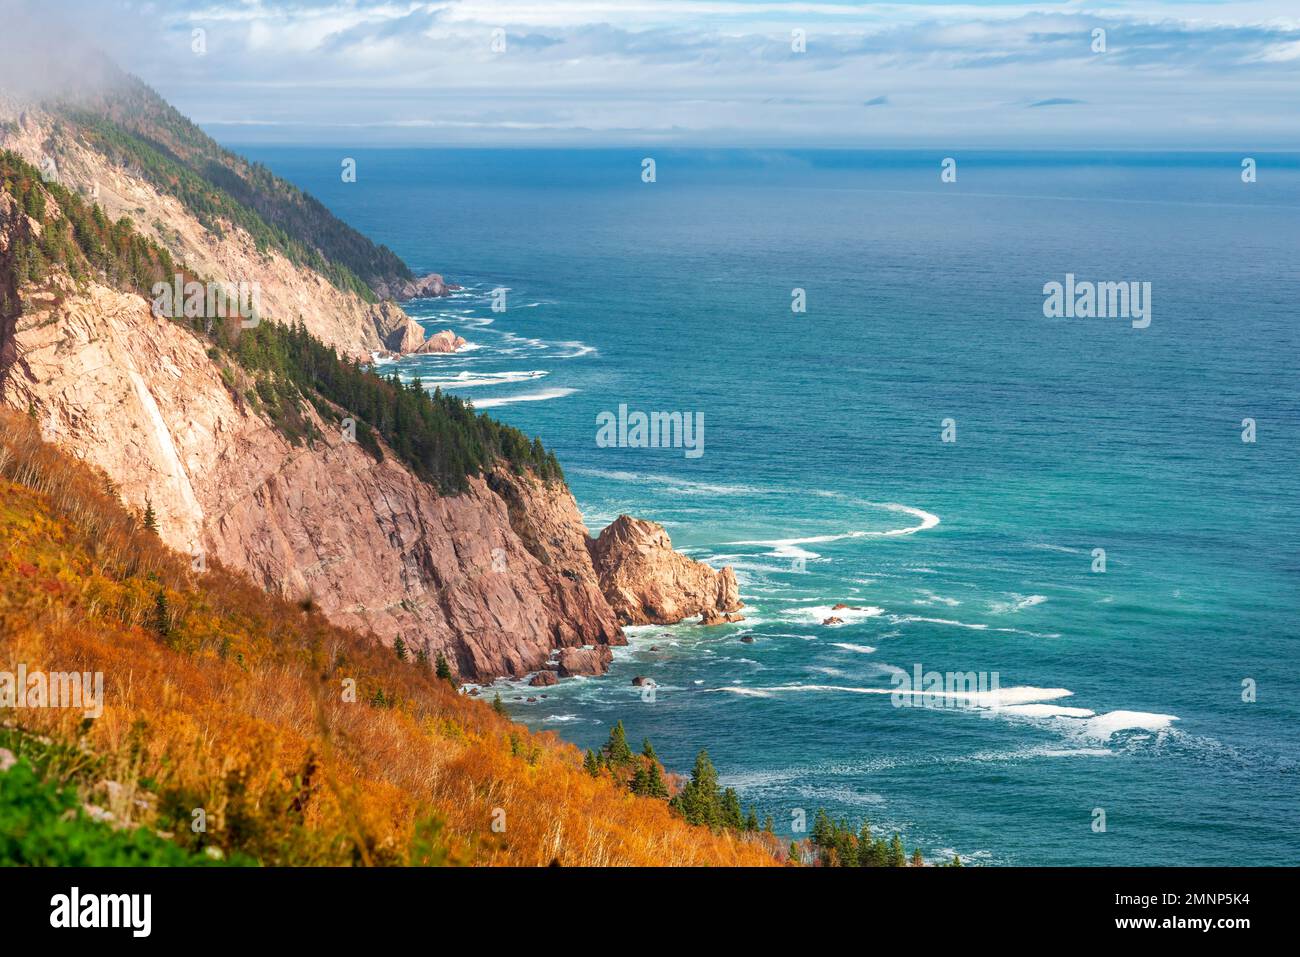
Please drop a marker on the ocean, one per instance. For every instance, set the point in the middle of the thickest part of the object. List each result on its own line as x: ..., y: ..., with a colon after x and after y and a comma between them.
x: 1147, y: 712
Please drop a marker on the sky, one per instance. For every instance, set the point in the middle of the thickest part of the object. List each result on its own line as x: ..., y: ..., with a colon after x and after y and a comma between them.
x: 1172, y: 74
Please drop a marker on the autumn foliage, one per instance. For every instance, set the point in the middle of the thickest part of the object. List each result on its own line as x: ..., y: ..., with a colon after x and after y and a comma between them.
x: 300, y: 742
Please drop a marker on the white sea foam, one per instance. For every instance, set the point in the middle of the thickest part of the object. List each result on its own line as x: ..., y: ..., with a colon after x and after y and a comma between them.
x: 860, y: 649
x: 539, y: 396
x: 1103, y: 726
x: 819, y: 613
x: 1047, y: 711
x: 927, y: 521
x: 999, y: 699
x: 932, y: 599
x: 469, y: 380
x: 793, y: 551
x: 908, y: 619
x: 644, y: 478
x: 973, y: 626
x: 1016, y: 603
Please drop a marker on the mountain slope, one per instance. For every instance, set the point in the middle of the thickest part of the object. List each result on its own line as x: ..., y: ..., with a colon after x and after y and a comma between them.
x: 240, y: 464
x: 298, y: 741
x: 217, y: 215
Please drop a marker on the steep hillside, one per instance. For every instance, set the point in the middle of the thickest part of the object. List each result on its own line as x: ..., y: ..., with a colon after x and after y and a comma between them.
x: 127, y: 151
x: 252, y: 463
x: 241, y: 728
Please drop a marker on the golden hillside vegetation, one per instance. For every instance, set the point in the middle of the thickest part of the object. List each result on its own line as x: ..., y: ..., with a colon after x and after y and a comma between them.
x: 222, y: 698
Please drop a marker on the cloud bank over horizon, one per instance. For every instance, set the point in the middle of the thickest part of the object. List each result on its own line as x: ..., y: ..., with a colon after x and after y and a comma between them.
x: 998, y: 73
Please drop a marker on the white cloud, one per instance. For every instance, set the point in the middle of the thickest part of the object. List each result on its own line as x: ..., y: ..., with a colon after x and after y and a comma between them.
x: 719, y: 72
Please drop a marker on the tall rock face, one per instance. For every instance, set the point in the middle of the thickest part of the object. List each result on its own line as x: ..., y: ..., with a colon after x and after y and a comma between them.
x: 496, y: 578
x: 646, y: 582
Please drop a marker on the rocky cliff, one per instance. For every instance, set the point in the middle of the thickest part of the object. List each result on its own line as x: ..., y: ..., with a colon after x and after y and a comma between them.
x: 498, y: 577
x: 646, y: 582
x: 372, y: 545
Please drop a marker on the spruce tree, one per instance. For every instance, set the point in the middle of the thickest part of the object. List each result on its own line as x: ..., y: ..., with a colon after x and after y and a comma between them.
x: 655, y: 784
x: 443, y: 670
x: 732, y: 815
x: 866, y: 857
x: 590, y: 763
x: 769, y: 825
x: 699, y: 801
x: 897, y: 856
x: 640, y: 780
x: 498, y: 705
x: 620, y: 755
x: 751, y: 822
x: 162, y: 614
x: 399, y: 648
x: 823, y: 830
x: 917, y: 859
x: 150, y: 519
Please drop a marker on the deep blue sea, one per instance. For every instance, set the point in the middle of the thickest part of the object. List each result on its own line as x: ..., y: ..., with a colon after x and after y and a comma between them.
x: 824, y: 478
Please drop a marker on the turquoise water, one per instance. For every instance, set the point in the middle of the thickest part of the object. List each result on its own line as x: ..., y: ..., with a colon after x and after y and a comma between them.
x: 824, y: 479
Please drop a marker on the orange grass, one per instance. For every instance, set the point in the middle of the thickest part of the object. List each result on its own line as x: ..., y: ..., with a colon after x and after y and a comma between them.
x: 233, y: 701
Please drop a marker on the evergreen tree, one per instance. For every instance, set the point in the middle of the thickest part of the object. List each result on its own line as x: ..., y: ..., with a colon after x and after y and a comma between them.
x: 794, y: 852
x: 655, y: 784
x: 897, y: 856
x: 498, y: 705
x: 640, y: 780
x: 823, y: 830
x: 590, y: 763
x: 769, y: 825
x: 443, y: 670
x: 150, y: 519
x: 162, y: 614
x: 751, y: 822
x: 956, y: 861
x: 617, y: 750
x: 699, y: 802
x: 399, y: 648
x: 917, y: 859
x: 732, y: 815
x: 866, y: 855
x: 422, y: 658
x: 648, y: 750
